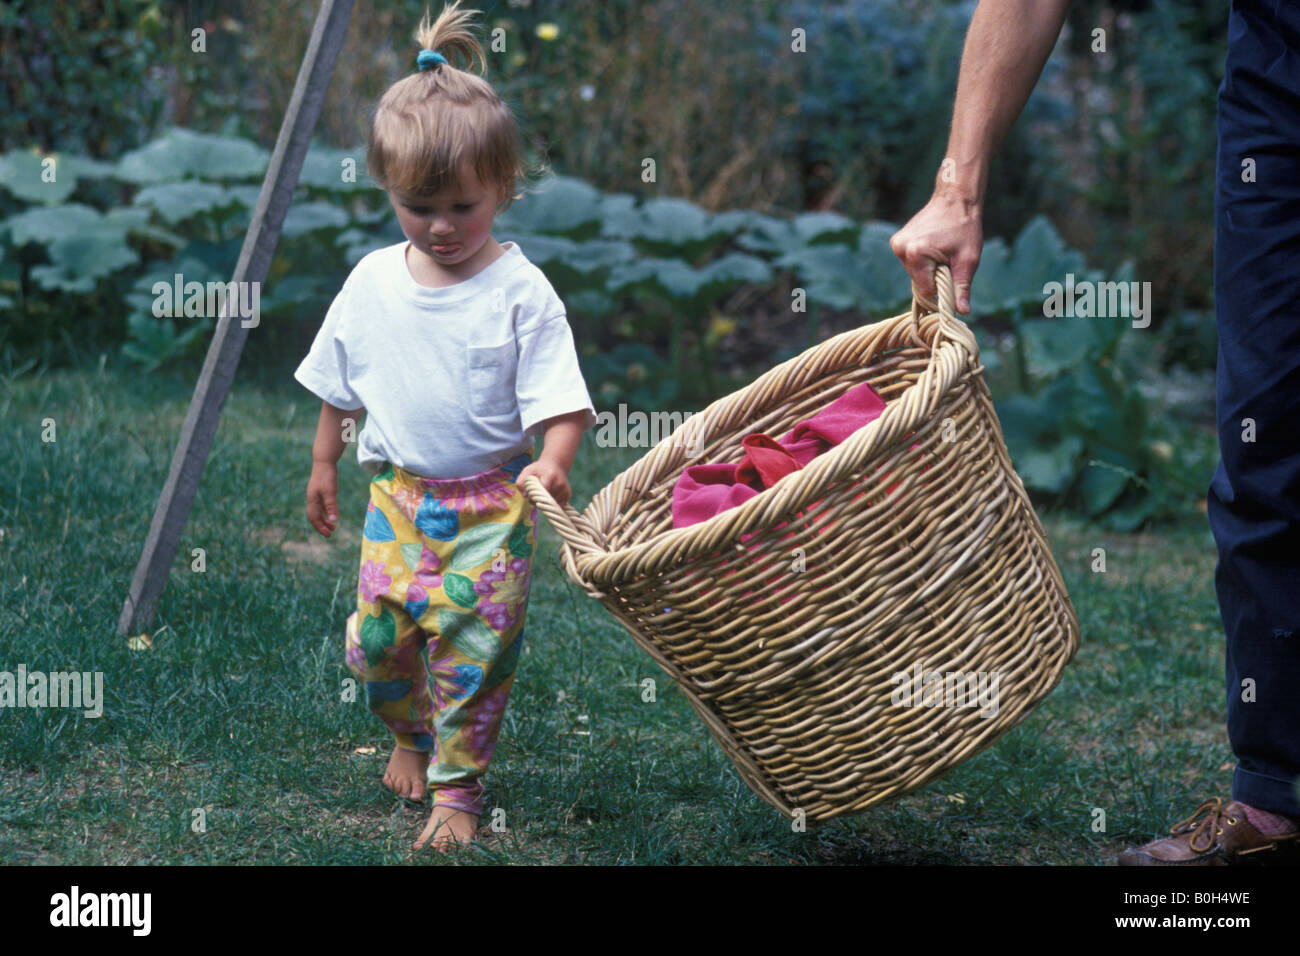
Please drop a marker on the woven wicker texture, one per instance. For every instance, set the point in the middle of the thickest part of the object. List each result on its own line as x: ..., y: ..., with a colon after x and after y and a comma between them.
x: 788, y: 620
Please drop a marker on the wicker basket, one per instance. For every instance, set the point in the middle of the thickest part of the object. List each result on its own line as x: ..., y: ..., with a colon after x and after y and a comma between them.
x: 809, y: 646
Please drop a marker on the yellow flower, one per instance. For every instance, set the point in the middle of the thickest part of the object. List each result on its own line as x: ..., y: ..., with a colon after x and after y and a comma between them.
x: 720, y: 326
x: 548, y: 31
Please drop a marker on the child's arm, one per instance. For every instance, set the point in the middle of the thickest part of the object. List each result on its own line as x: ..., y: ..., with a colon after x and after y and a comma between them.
x: 559, y: 447
x: 322, y: 487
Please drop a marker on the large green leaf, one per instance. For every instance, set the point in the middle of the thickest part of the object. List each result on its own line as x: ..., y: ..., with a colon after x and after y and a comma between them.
x: 1033, y: 421
x: 152, y: 342
x: 995, y: 287
x: 870, y: 280
x: 44, y: 225
x: 881, y: 271
x: 728, y: 272
x: 183, y: 154
x: 737, y: 222
x: 542, y: 251
x: 357, y: 251
x: 297, y: 290
x: 618, y: 216
x: 591, y: 303
x: 594, y: 254
x: 79, y: 261
x: 177, y: 202
x: 825, y: 228
x: 691, y: 288
x: 1130, y: 517
x: 23, y: 174
x: 245, y: 195
x: 83, y: 244
x: 670, y: 277
x: 324, y: 168
x: 1027, y: 420
x: 1100, y: 486
x: 877, y: 233
x: 561, y: 205
x: 768, y: 234
x: 1010, y: 279
x: 1049, y: 469
x: 305, y: 217
x: 1053, y: 345
x: 1096, y: 402
x: 573, y: 265
x: 141, y: 297
x: 673, y: 225
x: 1040, y: 254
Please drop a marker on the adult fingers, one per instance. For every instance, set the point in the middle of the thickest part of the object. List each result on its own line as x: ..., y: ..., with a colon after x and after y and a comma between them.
x: 963, y: 267
x: 920, y: 258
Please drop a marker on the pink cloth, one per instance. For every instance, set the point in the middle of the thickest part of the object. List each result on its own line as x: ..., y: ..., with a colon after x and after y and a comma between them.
x: 703, y: 491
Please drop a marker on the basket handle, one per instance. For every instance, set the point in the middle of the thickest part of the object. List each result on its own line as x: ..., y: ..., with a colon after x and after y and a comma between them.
x: 946, y: 306
x: 562, y: 519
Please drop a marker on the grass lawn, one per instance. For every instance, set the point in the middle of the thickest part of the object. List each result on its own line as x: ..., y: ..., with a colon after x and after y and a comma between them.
x: 236, y: 712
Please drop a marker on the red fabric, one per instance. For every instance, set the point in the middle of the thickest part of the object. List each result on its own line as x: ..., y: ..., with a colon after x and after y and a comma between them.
x: 703, y: 491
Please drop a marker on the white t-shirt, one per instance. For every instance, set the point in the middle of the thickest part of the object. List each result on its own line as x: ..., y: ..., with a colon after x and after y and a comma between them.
x: 454, y: 381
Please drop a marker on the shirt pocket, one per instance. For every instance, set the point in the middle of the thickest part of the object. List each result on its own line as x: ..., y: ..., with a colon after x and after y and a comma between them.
x: 492, y: 378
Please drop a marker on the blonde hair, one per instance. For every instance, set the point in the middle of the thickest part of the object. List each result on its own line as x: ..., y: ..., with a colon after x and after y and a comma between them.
x: 430, y: 123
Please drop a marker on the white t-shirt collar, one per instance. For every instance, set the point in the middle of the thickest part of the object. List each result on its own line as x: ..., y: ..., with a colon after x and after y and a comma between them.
x: 476, y: 284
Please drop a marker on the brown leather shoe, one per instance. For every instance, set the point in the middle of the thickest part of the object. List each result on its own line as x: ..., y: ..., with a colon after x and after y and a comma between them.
x: 1223, y: 837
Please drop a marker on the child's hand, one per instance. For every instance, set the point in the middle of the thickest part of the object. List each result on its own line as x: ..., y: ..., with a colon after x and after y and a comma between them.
x: 322, y: 497
x: 553, y: 478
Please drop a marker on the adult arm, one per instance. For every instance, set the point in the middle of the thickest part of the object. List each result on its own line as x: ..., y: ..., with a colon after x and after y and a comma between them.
x: 1007, y: 45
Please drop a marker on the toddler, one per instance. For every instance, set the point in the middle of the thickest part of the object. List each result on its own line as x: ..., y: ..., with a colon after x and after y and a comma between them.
x: 459, y: 352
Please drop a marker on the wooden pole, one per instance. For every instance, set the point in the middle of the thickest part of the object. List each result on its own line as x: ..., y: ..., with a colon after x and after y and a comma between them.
x: 228, y: 341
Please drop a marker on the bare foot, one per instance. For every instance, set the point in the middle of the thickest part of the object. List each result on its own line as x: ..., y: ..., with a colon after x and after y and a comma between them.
x: 448, y: 828
x: 406, y: 771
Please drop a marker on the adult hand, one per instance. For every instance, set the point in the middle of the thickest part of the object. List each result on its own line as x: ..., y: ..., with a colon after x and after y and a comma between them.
x: 948, y: 230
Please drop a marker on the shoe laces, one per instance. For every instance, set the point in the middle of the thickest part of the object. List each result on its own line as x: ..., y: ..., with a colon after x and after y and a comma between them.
x: 1209, y: 827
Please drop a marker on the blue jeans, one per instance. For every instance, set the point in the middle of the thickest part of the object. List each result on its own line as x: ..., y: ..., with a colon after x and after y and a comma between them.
x: 1254, y: 498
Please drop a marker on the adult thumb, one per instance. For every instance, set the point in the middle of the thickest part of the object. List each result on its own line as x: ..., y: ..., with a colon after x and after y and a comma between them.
x: 963, y: 273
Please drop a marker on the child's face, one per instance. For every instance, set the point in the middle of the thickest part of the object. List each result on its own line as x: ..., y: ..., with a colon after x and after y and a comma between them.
x: 452, y: 227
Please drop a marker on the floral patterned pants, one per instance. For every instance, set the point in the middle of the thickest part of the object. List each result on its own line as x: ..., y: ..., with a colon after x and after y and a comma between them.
x: 444, y: 577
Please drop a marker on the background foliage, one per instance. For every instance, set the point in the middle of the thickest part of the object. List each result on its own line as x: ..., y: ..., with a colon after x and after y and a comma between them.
x: 776, y: 170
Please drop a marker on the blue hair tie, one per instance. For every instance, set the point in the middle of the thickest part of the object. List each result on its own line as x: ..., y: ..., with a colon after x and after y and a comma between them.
x: 428, y: 58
